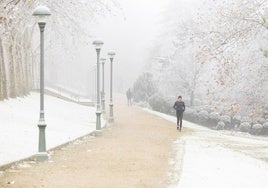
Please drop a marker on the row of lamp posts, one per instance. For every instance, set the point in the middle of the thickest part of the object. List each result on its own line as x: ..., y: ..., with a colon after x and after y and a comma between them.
x: 101, y: 94
x: 41, y: 12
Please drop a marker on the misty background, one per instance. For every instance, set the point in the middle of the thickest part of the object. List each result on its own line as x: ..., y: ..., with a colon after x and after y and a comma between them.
x: 130, y: 29
x: 213, y: 53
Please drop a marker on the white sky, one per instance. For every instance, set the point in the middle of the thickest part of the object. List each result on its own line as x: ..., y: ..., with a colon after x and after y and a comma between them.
x: 131, y: 36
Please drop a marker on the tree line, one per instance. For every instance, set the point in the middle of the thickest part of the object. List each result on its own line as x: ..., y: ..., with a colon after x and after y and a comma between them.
x: 215, y: 55
x: 19, y: 41
x: 15, y: 53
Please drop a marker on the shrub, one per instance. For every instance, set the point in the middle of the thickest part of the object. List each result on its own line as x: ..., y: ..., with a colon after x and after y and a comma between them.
x: 143, y: 104
x: 197, y: 102
x: 220, y: 125
x: 194, y: 116
x: 256, y: 129
x: 190, y: 114
x: 170, y: 102
x: 203, y: 116
x: 245, y: 127
x: 199, y: 108
x: 261, y: 120
x: 208, y: 108
x: 265, y: 128
x: 214, y: 118
x: 256, y: 120
x: 158, y: 103
x: 227, y: 120
x: 236, y: 120
x: 245, y: 119
x: 144, y: 87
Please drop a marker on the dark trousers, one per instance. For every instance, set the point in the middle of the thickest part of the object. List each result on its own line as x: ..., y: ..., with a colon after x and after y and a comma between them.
x: 129, y: 102
x: 179, y: 117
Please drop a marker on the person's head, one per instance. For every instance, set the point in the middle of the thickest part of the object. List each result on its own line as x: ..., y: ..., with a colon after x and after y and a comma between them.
x: 179, y: 98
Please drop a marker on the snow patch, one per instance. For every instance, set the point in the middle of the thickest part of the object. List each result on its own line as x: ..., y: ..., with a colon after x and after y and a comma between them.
x: 66, y: 121
x: 206, y: 166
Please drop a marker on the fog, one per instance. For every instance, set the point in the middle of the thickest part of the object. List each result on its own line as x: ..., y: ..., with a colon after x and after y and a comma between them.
x: 213, y: 53
x: 182, y: 67
x: 129, y: 29
x: 131, y: 34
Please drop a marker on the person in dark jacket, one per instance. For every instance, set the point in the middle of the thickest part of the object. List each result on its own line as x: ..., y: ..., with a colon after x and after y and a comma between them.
x: 179, y: 106
x: 129, y: 97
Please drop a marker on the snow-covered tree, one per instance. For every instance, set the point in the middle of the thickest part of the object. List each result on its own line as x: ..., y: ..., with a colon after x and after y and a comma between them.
x: 144, y: 87
x: 215, y: 51
x: 66, y: 33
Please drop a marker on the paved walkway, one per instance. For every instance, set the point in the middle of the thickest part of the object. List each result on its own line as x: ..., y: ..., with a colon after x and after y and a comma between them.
x: 134, y: 152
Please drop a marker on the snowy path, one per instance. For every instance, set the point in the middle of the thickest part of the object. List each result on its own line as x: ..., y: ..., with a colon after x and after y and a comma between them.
x: 18, y: 125
x: 217, y: 159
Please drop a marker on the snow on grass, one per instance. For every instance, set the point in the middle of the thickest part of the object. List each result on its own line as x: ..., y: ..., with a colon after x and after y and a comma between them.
x: 234, y: 135
x: 209, y: 167
x: 69, y: 96
x: 19, y: 131
x: 203, y: 162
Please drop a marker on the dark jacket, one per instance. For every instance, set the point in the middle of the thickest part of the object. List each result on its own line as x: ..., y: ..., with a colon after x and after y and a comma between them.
x: 179, y: 106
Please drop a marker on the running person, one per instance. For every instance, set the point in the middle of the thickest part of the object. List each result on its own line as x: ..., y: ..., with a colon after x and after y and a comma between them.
x: 179, y: 106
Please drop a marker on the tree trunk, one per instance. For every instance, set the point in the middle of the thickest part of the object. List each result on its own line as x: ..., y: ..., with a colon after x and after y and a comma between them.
x: 27, y: 60
x: 12, y: 85
x: 192, y: 98
x: 3, y: 79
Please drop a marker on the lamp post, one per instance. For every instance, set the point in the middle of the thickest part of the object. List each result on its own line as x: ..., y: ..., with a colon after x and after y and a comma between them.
x: 92, y: 84
x: 98, y: 44
x: 103, y: 93
x: 111, y: 54
x: 42, y: 12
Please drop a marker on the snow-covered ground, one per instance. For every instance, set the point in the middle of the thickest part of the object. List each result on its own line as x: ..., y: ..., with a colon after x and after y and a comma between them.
x: 18, y: 125
x: 208, y: 165
x: 208, y: 159
x: 73, y: 97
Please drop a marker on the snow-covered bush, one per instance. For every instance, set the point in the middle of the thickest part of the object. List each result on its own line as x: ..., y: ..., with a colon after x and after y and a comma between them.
x: 144, y: 87
x: 203, y: 117
x: 245, y: 127
x: 195, y: 116
x: 190, y: 114
x: 265, y: 128
x: 256, y: 129
x: 220, y: 125
x: 188, y: 111
x: 256, y: 120
x: 170, y: 102
x: 208, y: 108
x: 159, y: 103
x: 143, y: 104
x: 214, y: 118
x: 197, y: 102
x: 245, y: 119
x: 227, y: 120
x: 236, y: 120
x: 199, y: 108
x: 262, y: 121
